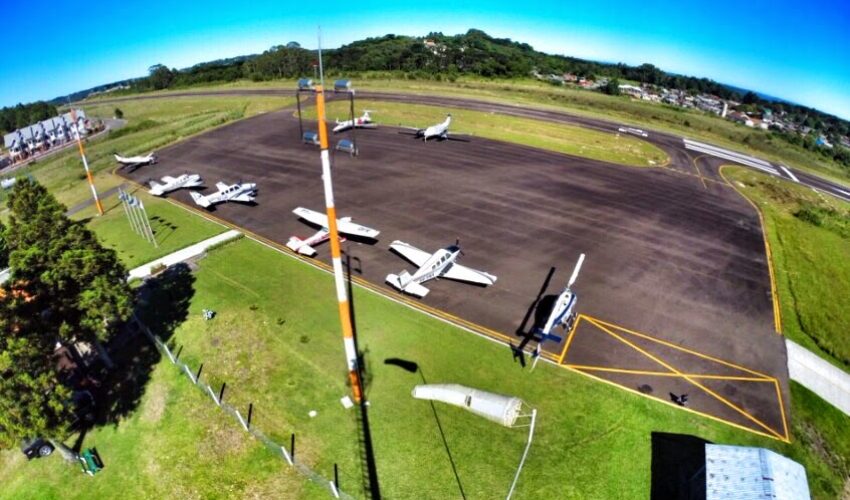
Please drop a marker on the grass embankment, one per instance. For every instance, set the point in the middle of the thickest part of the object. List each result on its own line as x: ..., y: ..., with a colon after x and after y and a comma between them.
x: 276, y: 343
x: 568, y: 139
x: 151, y: 125
x: 691, y: 123
x: 173, y: 226
x: 809, y: 236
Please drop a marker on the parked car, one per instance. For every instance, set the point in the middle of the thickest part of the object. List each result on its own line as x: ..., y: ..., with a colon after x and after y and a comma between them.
x: 36, y: 448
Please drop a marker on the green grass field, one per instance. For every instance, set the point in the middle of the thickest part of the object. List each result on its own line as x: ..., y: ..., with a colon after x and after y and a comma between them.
x: 276, y: 343
x: 151, y: 125
x: 173, y: 226
x: 691, y: 123
x: 811, y: 260
x: 567, y: 139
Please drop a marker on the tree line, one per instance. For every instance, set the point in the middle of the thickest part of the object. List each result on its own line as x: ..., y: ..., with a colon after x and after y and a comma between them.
x: 15, y: 117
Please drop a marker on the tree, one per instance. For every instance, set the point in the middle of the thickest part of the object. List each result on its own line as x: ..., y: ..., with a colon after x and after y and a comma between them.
x: 612, y: 87
x: 4, y: 250
x: 64, y: 287
x: 62, y: 266
x: 118, y: 113
x: 750, y: 98
x: 160, y: 76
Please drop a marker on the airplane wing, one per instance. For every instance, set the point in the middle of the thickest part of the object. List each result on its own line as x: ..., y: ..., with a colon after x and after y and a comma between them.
x: 463, y: 273
x: 221, y: 186
x: 312, y: 216
x: 351, y: 228
x: 168, y: 179
x: 411, y: 253
x: 244, y: 198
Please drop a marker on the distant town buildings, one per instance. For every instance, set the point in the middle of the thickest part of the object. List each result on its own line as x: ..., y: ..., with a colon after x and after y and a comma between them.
x: 41, y: 136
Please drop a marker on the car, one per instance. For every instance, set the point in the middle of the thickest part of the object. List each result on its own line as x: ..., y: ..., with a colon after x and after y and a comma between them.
x: 36, y: 448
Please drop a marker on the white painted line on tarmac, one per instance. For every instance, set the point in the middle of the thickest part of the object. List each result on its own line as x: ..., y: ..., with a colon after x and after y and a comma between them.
x: 787, y: 171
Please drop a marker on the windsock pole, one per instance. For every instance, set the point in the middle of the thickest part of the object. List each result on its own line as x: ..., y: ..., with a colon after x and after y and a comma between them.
x: 86, y: 163
x: 339, y: 278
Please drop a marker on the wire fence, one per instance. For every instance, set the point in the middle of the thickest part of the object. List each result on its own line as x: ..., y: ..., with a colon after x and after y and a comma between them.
x: 244, y: 421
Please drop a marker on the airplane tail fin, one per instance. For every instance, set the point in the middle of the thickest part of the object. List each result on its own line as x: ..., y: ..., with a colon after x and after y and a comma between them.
x: 199, y: 199
x: 404, y: 283
x: 297, y: 244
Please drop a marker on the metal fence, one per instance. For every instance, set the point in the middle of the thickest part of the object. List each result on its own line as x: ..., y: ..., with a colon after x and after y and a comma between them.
x: 244, y: 421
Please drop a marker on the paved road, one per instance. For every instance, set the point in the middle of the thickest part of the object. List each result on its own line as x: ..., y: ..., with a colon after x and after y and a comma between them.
x: 669, y: 253
x: 673, y: 144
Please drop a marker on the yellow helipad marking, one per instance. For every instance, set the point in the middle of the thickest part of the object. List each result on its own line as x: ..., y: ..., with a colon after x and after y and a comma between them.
x: 692, y: 378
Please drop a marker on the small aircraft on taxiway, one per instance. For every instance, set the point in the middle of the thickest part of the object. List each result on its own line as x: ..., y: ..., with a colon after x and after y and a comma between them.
x: 440, y: 264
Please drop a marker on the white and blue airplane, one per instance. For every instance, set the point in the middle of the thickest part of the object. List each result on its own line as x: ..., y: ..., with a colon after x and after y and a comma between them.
x: 174, y: 183
x: 563, y: 312
x: 242, y: 192
x: 133, y: 162
x: 440, y: 264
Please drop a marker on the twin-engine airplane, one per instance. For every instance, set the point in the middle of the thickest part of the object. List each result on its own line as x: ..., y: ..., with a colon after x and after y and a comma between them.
x: 175, y: 183
x: 344, y: 225
x: 439, y: 131
x: 563, y: 312
x: 440, y: 264
x: 364, y: 121
x: 133, y: 162
x: 242, y: 192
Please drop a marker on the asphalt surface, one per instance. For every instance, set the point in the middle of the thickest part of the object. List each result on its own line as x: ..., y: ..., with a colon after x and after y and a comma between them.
x: 672, y: 252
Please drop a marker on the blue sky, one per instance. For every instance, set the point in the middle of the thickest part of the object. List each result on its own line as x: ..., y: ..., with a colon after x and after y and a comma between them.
x: 795, y: 50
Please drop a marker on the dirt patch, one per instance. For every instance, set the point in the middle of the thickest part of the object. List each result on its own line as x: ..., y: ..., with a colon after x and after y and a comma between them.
x: 154, y: 407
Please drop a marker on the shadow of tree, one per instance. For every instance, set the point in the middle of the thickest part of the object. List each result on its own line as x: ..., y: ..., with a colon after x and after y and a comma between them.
x: 162, y: 305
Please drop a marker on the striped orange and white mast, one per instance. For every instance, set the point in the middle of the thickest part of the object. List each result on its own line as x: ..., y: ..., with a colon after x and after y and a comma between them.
x: 339, y: 279
x: 85, y: 162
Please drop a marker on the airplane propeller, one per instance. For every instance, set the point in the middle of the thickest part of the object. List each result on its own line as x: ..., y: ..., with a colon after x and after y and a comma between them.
x: 457, y: 244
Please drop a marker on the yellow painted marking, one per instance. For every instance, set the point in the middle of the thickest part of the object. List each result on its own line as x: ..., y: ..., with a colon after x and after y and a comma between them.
x: 701, y: 178
x: 569, y: 339
x: 670, y: 403
x: 692, y: 381
x: 680, y: 348
x: 782, y: 410
x: 774, y: 294
x: 671, y: 374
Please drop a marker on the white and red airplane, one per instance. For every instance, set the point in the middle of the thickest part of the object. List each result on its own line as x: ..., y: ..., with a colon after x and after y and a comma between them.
x: 440, y: 264
x: 344, y: 225
x: 133, y: 162
x: 364, y: 121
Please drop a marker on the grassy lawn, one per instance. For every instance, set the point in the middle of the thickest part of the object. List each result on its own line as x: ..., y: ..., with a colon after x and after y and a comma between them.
x: 276, y: 342
x: 691, y: 123
x: 567, y: 139
x: 811, y: 257
x: 173, y: 226
x: 150, y: 125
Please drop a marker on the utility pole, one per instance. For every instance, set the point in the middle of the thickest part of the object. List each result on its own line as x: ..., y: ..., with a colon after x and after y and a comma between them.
x: 86, y: 163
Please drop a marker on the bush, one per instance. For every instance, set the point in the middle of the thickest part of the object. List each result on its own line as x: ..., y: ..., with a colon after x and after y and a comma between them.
x: 118, y: 113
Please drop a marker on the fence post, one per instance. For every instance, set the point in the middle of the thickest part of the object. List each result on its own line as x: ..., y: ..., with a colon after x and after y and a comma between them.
x: 212, y: 394
x: 198, y: 375
x: 221, y: 393
x: 292, y: 446
x: 241, y: 420
x: 177, y: 354
x: 286, y: 455
x: 250, y: 413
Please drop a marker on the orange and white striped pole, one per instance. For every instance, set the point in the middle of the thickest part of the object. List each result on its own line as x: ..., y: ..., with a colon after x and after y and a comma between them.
x: 86, y: 163
x: 339, y: 279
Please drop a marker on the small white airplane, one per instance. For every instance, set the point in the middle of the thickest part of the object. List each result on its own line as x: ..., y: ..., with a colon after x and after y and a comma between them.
x: 175, y: 183
x: 439, y: 131
x: 344, y: 225
x: 242, y: 192
x: 440, y: 264
x: 364, y: 121
x: 134, y: 162
x: 563, y: 312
